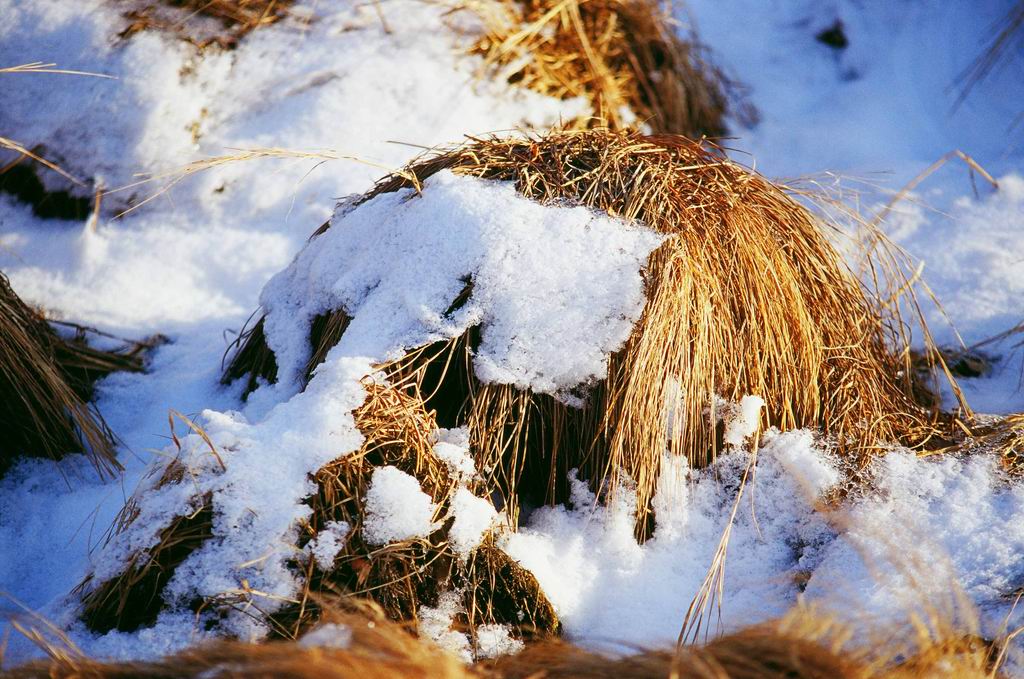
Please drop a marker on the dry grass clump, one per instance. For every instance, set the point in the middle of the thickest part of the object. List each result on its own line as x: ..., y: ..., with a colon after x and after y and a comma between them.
x: 376, y: 648
x: 402, y: 576
x: 801, y: 645
x: 234, y: 19
x: 46, y: 382
x: 747, y: 296
x: 623, y: 56
x: 133, y: 598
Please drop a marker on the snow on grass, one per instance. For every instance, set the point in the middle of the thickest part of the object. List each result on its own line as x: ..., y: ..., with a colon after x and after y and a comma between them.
x: 474, y: 516
x: 436, y: 622
x: 452, y: 448
x: 928, y: 528
x: 396, y: 508
x: 191, y: 264
x: 555, y: 289
x: 395, y: 264
x: 328, y: 542
x: 745, y: 420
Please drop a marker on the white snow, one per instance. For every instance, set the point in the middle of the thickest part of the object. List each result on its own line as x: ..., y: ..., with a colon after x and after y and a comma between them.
x: 191, y: 263
x: 328, y: 543
x: 744, y: 421
x: 494, y: 640
x: 452, y: 448
x: 396, y: 508
x: 435, y: 624
x: 555, y: 289
x: 474, y: 516
x: 929, y: 528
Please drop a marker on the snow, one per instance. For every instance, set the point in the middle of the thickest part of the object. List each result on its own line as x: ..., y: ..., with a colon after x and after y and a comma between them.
x: 435, y: 624
x: 329, y: 541
x: 494, y: 640
x: 928, y: 529
x: 474, y: 516
x: 555, y: 290
x: 744, y: 421
x: 452, y: 448
x: 396, y: 508
x: 973, y: 259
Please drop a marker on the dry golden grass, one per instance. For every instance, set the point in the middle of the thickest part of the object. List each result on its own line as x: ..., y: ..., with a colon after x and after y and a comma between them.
x: 747, y: 296
x: 801, y: 645
x: 404, y: 575
x: 46, y: 383
x: 400, y: 576
x: 377, y: 649
x: 237, y: 18
x: 625, y: 57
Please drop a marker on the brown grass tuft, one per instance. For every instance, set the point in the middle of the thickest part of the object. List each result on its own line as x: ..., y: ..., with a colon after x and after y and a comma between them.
x: 400, y: 577
x: 237, y: 18
x: 801, y: 645
x: 748, y: 296
x: 405, y: 575
x: 46, y: 383
x: 624, y: 57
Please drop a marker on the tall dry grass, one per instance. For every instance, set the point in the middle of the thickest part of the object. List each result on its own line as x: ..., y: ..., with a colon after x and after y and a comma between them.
x: 747, y: 296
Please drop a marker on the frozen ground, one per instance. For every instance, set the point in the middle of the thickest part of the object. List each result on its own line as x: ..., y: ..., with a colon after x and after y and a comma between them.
x: 191, y: 264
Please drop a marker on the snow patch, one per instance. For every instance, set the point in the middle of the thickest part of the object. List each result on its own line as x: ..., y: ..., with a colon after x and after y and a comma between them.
x: 328, y: 542
x: 474, y: 516
x: 396, y: 508
x: 555, y: 289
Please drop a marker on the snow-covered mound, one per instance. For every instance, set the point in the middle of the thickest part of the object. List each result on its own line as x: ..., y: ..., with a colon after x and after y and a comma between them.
x: 394, y: 263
